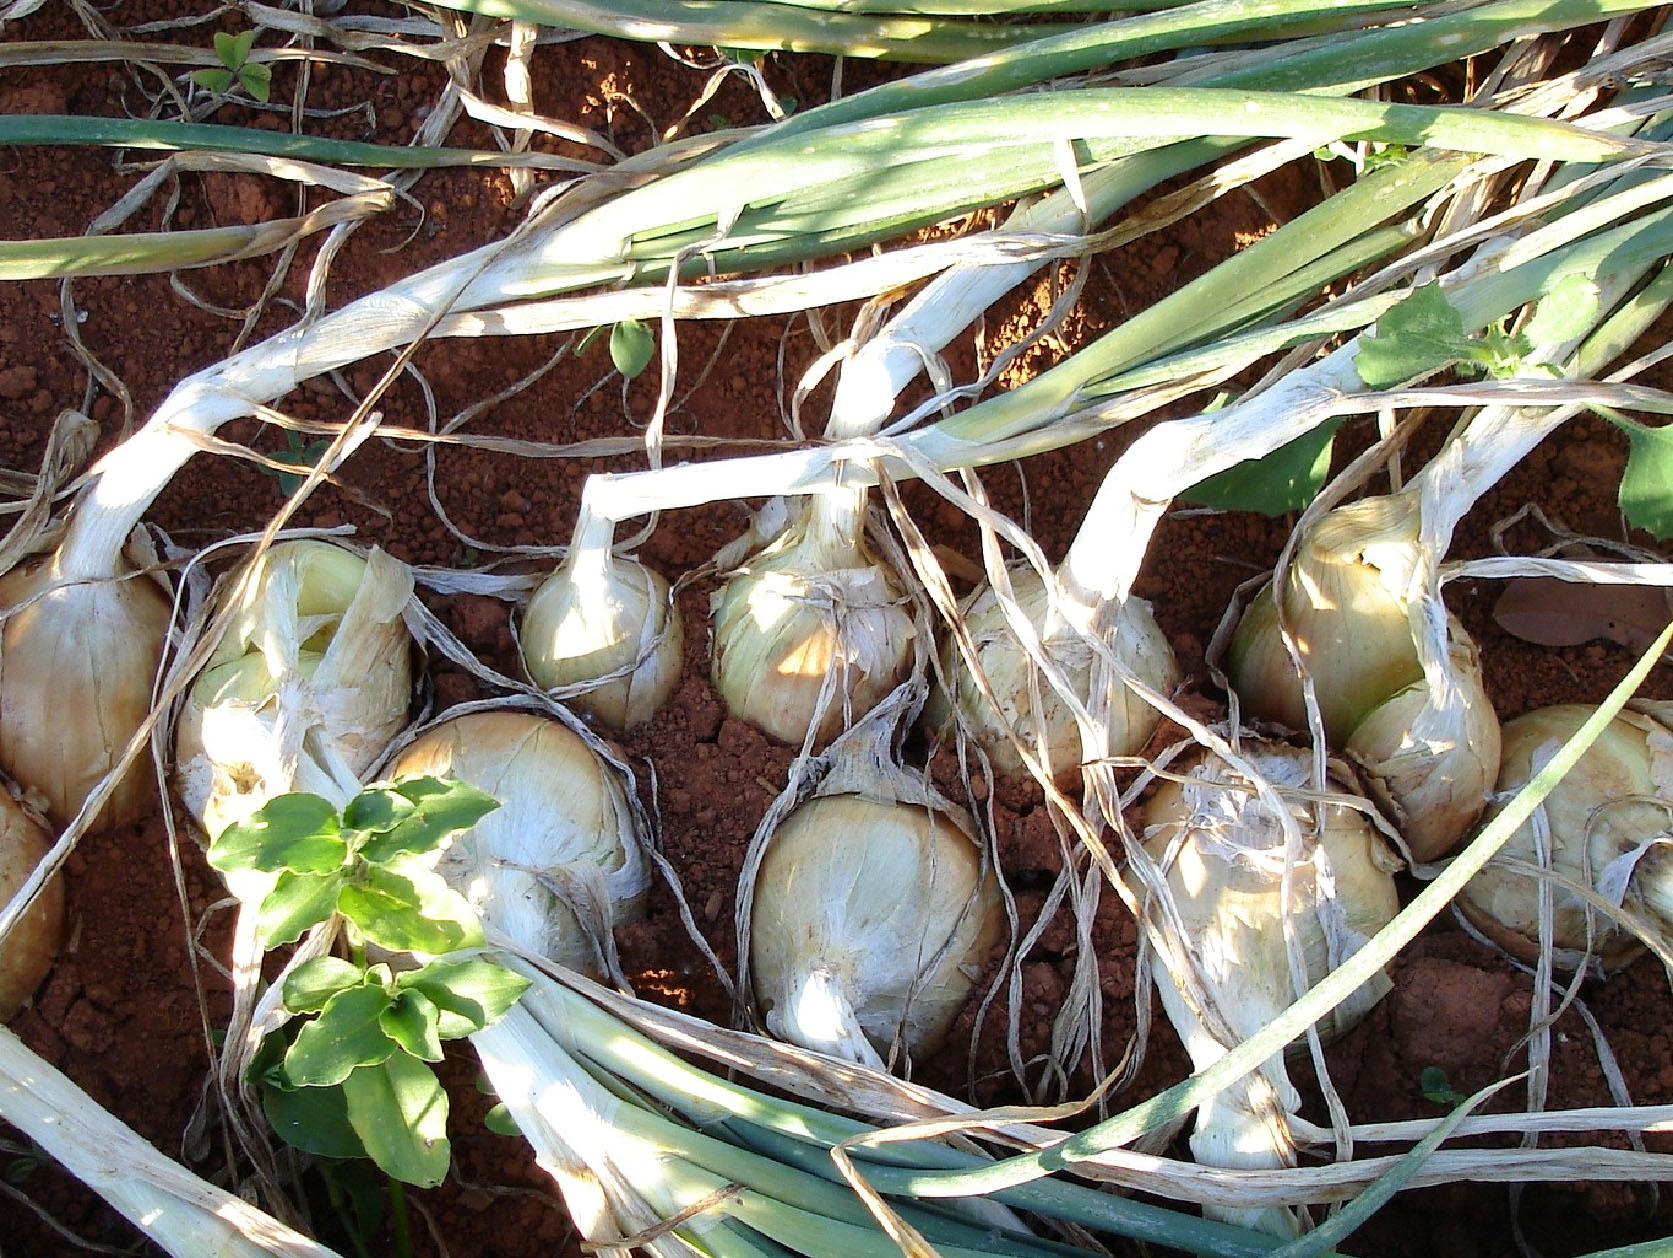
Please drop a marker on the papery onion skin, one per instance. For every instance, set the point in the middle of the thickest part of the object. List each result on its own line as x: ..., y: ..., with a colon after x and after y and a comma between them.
x: 28, y: 951
x: 859, y: 895
x: 561, y: 806
x: 812, y: 602
x: 1138, y: 641
x: 1223, y: 851
x: 1617, y: 797
x: 1344, y: 603
x: 574, y: 632
x: 1351, y: 598
x: 1433, y: 764
x: 300, y: 695
x: 76, y: 672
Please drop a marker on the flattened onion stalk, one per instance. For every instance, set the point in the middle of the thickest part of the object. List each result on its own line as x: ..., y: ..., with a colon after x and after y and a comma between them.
x: 604, y: 616
x: 76, y: 669
x: 307, y: 687
x: 559, y: 862
x: 28, y: 950
x: 1606, y: 829
x: 1048, y: 727
x: 1356, y: 601
x: 1223, y: 849
x: 813, y: 630
x: 871, y: 916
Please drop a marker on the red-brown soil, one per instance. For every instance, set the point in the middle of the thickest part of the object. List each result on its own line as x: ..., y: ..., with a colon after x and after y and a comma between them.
x: 120, y: 1011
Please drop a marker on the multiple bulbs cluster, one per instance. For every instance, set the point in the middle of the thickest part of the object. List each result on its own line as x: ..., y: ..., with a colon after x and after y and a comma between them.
x: 1270, y: 878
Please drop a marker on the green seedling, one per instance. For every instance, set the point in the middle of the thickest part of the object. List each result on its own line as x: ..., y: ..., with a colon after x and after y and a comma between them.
x: 1424, y: 333
x: 632, y: 346
x: 350, y: 1074
x: 297, y: 453
x: 1646, y: 492
x: 236, y: 67
x: 1435, y: 1087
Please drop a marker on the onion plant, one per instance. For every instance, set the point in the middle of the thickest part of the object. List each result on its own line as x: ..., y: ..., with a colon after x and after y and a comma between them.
x: 916, y: 165
x: 1100, y: 1151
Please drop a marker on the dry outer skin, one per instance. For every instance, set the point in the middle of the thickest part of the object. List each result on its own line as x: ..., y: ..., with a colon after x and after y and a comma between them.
x: 120, y: 1010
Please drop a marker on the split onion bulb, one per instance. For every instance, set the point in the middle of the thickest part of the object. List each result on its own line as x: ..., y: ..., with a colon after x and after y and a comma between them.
x: 28, y: 950
x: 1606, y: 828
x: 1223, y: 851
x: 605, y: 619
x: 1432, y: 759
x: 76, y: 670
x: 1048, y: 728
x: 871, y: 920
x: 813, y: 631
x: 1346, y: 599
x: 307, y: 687
x: 559, y: 862
x: 1354, y: 599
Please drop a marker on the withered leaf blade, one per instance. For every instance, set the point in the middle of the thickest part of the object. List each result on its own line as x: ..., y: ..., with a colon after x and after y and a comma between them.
x: 1550, y: 612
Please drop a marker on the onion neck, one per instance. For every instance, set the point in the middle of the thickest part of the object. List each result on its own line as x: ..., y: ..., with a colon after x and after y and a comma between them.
x: 590, y: 560
x: 834, y: 528
x: 817, y: 1014
x: 129, y: 478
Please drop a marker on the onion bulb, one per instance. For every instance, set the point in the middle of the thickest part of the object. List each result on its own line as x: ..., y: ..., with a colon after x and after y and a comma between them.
x: 606, y: 619
x: 1048, y: 728
x: 1356, y: 600
x: 28, y: 949
x: 1224, y: 850
x: 1606, y: 828
x: 813, y: 631
x: 76, y: 671
x: 307, y: 687
x: 563, y: 847
x: 872, y: 915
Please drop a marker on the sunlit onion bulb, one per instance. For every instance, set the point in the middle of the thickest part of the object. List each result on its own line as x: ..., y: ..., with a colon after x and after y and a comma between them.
x: 814, y: 602
x: 1433, y: 760
x: 307, y: 688
x: 563, y: 835
x: 76, y: 672
x: 1223, y: 849
x: 27, y: 952
x: 1137, y: 640
x: 1352, y: 600
x: 1346, y: 601
x: 1607, y: 827
x: 602, y: 616
x: 871, y: 920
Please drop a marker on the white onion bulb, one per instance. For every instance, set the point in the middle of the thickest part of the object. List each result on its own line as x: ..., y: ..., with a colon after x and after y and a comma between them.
x: 605, y: 617
x: 813, y: 613
x: 307, y: 688
x: 1355, y: 600
x: 1607, y: 827
x: 871, y: 919
x: 76, y: 671
x: 1223, y: 850
x: 28, y: 950
x: 561, y: 850
x: 1048, y: 728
